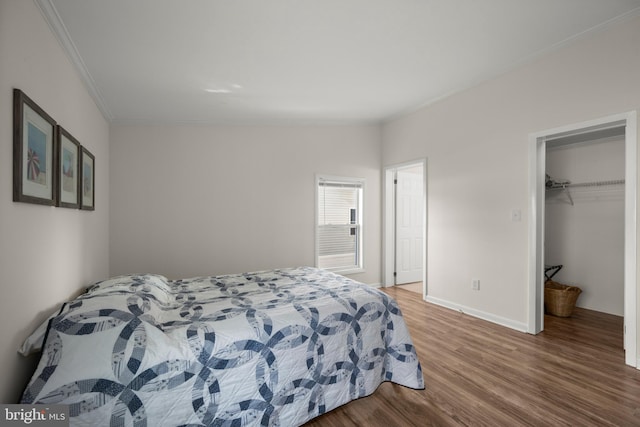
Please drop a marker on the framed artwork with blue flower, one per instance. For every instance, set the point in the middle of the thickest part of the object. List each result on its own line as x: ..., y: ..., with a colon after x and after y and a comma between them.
x: 34, y: 144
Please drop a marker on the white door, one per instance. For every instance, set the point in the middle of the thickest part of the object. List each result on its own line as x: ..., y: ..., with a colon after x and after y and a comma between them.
x: 409, y: 225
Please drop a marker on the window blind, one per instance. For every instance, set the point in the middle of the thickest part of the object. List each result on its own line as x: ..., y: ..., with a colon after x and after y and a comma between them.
x: 339, y: 228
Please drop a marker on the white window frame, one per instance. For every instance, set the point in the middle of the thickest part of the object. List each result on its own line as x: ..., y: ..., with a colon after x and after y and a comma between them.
x: 360, y: 222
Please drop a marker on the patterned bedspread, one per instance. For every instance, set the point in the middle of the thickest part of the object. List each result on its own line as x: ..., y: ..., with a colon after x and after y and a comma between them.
x: 267, y: 348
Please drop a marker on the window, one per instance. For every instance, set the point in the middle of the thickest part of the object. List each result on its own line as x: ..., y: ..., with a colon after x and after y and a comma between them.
x: 339, y: 223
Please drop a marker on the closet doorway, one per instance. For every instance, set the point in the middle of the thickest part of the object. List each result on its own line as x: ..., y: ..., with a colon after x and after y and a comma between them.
x: 584, y: 217
x: 622, y: 127
x: 405, y: 225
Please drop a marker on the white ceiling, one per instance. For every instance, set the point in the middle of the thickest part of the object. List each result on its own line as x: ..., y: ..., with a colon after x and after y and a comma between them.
x: 305, y: 61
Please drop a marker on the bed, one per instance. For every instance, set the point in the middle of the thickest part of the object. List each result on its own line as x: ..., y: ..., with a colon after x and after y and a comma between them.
x: 275, y: 347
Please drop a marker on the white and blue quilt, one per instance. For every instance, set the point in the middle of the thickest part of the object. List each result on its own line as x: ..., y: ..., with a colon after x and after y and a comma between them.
x: 271, y: 348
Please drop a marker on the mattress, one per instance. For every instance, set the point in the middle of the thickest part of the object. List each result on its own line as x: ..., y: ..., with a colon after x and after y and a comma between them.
x: 276, y: 347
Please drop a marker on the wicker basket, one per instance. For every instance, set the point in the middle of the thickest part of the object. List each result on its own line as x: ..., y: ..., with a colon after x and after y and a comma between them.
x: 559, y: 299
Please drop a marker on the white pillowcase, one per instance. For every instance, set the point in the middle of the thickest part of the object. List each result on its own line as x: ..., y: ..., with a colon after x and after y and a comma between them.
x: 34, y: 342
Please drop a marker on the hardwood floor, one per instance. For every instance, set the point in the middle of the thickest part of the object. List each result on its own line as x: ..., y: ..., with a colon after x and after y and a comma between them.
x: 481, y: 374
x: 413, y: 287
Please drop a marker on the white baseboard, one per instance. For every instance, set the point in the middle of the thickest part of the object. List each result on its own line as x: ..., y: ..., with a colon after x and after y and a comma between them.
x: 502, y: 321
x: 375, y: 285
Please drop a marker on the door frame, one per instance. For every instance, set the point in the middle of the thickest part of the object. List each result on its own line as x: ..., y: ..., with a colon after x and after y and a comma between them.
x: 388, y: 223
x: 537, y: 155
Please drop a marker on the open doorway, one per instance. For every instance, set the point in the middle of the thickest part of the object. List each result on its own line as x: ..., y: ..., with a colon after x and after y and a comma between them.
x: 405, y: 225
x: 627, y: 125
x: 584, y: 217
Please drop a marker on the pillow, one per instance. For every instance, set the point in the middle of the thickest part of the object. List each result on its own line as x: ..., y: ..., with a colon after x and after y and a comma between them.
x: 35, y: 341
x: 125, y: 282
x: 153, y: 285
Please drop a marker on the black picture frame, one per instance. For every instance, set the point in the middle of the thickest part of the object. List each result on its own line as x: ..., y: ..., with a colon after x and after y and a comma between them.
x: 67, y: 169
x: 34, y: 147
x: 87, y: 183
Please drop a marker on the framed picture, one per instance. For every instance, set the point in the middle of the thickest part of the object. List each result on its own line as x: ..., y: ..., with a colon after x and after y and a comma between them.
x: 34, y: 142
x: 87, y: 180
x: 67, y: 170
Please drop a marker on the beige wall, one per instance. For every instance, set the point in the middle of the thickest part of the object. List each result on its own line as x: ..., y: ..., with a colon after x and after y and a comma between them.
x: 203, y: 200
x: 477, y: 142
x: 46, y: 253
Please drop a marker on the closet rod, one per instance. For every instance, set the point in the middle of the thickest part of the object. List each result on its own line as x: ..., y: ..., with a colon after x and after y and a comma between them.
x: 566, y: 185
x: 586, y: 184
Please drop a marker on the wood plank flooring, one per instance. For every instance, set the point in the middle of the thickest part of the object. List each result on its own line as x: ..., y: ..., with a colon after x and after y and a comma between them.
x: 413, y: 287
x: 481, y: 374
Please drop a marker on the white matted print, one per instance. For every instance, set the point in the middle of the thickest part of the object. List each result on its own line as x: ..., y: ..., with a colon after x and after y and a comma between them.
x: 33, y: 146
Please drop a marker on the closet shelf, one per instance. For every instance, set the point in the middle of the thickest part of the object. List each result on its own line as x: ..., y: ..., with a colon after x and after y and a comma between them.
x: 567, y: 185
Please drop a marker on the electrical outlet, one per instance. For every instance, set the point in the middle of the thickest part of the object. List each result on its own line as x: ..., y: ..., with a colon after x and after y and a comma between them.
x: 475, y: 284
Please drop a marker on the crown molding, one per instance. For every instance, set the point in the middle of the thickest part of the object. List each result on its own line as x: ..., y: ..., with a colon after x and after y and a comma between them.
x: 58, y: 28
